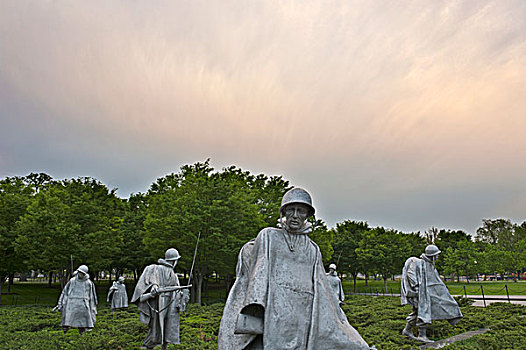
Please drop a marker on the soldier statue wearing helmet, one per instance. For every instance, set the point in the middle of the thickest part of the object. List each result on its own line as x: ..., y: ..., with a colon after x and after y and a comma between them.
x: 423, y: 289
x: 281, y: 294
x: 160, y: 299
x: 117, y: 296
x: 335, y: 283
x: 78, y: 302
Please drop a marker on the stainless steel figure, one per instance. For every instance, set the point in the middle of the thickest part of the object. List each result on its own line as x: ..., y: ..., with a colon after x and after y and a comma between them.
x: 160, y: 300
x: 281, y: 298
x: 423, y: 289
x: 117, y: 296
x: 78, y: 302
x: 335, y: 282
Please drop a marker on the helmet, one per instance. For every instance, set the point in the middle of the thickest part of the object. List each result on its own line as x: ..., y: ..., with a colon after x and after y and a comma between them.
x: 432, y: 250
x: 171, y: 254
x: 83, y: 269
x: 297, y: 195
x: 332, y: 267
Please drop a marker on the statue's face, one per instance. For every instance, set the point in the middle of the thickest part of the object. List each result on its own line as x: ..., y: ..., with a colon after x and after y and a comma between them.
x: 296, y: 214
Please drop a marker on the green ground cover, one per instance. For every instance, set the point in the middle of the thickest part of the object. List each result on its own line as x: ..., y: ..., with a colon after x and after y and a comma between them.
x: 378, y: 319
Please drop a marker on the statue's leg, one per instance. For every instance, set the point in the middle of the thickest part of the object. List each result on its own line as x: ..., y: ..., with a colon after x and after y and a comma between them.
x: 411, y: 322
x: 81, y: 330
x: 422, y: 337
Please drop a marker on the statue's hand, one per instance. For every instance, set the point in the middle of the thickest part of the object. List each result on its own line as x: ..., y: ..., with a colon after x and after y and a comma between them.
x: 154, y: 291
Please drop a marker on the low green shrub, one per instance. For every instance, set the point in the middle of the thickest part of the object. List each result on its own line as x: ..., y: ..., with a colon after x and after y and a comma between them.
x: 379, y: 320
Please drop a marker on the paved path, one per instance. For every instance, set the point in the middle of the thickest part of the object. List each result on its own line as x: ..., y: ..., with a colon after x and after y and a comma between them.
x: 444, y: 342
x: 478, y: 301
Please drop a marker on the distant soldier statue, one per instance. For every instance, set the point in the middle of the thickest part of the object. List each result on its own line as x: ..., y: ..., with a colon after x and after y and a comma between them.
x: 117, y: 296
x: 335, y: 282
x: 423, y: 289
x: 78, y: 302
x: 160, y: 300
x: 281, y: 298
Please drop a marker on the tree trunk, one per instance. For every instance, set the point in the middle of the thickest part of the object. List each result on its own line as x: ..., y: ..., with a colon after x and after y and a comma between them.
x: 385, y: 284
x: 2, y: 280
x: 50, y: 278
x: 199, y: 287
x: 10, y: 282
x: 229, y: 281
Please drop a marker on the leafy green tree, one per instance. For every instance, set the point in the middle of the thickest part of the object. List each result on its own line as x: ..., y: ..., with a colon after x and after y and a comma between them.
x: 133, y: 254
x: 507, y: 237
x: 15, y: 197
x: 323, y: 237
x: 347, y: 237
x: 72, y: 222
x: 383, y: 252
x: 462, y: 260
x: 222, y: 208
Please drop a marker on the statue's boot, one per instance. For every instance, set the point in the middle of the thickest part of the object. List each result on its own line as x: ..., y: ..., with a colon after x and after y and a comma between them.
x: 407, y: 332
x: 422, y: 337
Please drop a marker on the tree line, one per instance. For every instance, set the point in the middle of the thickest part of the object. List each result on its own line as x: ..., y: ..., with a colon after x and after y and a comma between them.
x: 55, y: 225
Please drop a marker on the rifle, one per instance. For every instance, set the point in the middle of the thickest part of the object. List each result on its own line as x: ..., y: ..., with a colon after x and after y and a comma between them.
x: 168, y: 289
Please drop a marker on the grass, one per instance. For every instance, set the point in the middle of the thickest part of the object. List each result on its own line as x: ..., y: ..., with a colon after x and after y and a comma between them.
x: 378, y: 319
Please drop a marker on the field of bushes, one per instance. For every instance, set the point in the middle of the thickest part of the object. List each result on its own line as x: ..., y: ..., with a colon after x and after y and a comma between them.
x: 378, y: 319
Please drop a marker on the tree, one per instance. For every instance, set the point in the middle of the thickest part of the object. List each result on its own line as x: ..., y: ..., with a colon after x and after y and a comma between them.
x: 323, y: 238
x: 225, y: 209
x: 15, y: 197
x: 347, y: 237
x: 71, y: 222
x: 507, y: 237
x: 383, y: 252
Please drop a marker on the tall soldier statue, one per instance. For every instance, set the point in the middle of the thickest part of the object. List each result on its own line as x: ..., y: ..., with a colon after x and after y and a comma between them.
x: 160, y: 299
x: 423, y: 289
x: 281, y: 298
x: 78, y: 302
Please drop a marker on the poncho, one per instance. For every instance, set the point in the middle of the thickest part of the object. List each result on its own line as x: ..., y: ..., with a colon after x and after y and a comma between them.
x: 336, y: 285
x: 160, y: 313
x: 78, y: 302
x: 117, y: 295
x: 423, y: 288
x: 282, y: 273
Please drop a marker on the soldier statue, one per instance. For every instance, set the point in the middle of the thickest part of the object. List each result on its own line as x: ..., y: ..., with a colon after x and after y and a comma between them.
x: 117, y: 296
x: 160, y: 300
x: 78, y: 302
x: 281, y: 297
x: 423, y: 289
x: 335, y: 282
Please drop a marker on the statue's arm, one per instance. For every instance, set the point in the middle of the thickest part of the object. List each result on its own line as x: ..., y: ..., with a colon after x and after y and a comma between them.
x: 250, y: 320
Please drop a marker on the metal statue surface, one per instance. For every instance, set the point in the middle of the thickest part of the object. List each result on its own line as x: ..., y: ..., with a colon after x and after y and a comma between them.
x: 423, y: 289
x: 78, y: 302
x: 117, y: 296
x: 160, y: 299
x: 281, y: 298
x: 335, y: 282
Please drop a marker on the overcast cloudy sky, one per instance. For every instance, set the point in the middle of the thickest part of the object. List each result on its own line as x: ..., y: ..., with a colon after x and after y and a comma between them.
x: 406, y: 114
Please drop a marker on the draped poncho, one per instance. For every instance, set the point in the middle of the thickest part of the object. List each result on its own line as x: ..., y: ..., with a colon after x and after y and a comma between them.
x: 282, y: 273
x: 423, y: 288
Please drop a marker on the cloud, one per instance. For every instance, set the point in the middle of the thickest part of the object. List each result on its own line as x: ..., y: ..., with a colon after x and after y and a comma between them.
x: 372, y: 105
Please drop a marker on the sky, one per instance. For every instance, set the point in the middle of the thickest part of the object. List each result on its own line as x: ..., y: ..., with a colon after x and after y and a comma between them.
x: 405, y: 114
